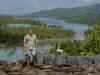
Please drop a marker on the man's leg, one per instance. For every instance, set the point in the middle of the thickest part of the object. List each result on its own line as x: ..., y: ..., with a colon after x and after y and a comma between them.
x: 34, y: 60
x: 28, y: 58
x: 34, y: 56
x: 28, y: 61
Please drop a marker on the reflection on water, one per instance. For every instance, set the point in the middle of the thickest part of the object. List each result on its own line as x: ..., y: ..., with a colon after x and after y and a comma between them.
x: 15, y: 52
x: 11, y: 53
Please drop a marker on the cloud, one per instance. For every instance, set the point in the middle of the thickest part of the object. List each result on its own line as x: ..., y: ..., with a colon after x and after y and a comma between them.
x: 86, y: 0
x: 26, y: 6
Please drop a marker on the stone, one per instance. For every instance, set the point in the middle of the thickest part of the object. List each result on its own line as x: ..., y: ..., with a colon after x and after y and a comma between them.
x: 40, y: 72
x: 72, y: 61
x: 58, y: 73
x: 60, y: 60
x: 19, y: 63
x: 24, y: 69
x: 3, y: 63
x: 97, y: 69
x: 9, y: 65
x: 2, y: 73
x: 46, y: 66
x: 85, y: 61
x: 40, y: 59
x: 49, y: 59
x: 16, y: 68
x: 91, y: 70
x: 15, y: 73
x: 97, y: 61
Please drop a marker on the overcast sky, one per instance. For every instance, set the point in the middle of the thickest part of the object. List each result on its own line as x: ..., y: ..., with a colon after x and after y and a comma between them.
x: 20, y: 7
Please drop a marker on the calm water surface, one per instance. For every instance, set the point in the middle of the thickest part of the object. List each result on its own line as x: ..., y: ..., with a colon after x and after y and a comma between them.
x: 78, y: 28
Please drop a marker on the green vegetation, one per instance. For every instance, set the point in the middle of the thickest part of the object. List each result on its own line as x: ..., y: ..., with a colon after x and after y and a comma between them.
x: 89, y: 18
x: 87, y: 14
x: 16, y: 35
x: 69, y: 47
x: 92, y: 41
x: 90, y: 46
x: 10, y: 20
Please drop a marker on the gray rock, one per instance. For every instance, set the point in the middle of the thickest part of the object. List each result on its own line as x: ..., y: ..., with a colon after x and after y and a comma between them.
x: 3, y: 63
x: 97, y: 61
x: 40, y: 59
x: 72, y: 61
x: 60, y: 60
x: 49, y: 59
x: 16, y: 68
x: 85, y: 61
x: 2, y: 73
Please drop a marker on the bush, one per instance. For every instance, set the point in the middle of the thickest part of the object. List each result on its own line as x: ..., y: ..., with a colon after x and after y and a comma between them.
x: 16, y: 35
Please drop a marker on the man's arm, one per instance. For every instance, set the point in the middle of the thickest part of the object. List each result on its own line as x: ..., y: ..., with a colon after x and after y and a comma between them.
x: 24, y: 46
x: 24, y: 43
x: 36, y: 45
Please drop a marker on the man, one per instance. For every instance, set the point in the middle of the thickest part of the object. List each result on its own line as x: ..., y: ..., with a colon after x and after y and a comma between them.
x: 30, y: 46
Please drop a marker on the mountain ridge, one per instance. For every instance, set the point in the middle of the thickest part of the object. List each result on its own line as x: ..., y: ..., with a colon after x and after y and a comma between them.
x: 78, y: 14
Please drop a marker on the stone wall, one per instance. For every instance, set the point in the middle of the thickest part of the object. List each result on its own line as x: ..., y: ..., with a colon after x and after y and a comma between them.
x: 73, y: 61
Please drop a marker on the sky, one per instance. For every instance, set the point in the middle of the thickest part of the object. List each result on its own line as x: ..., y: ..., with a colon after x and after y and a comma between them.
x: 20, y: 7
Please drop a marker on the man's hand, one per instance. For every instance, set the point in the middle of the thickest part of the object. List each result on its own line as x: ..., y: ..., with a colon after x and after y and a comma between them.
x: 24, y: 50
x: 36, y: 49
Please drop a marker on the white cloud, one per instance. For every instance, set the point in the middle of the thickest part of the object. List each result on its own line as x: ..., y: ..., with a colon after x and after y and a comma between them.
x: 26, y: 6
x: 86, y: 0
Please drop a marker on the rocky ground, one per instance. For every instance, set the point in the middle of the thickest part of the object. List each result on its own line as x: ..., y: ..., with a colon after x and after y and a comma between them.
x: 49, y: 64
x: 19, y: 68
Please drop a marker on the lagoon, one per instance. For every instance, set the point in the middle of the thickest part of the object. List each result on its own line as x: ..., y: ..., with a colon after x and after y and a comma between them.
x: 14, y: 53
x: 78, y: 28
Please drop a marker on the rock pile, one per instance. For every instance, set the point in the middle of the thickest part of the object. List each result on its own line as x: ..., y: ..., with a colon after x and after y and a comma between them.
x: 73, y: 61
x: 49, y: 64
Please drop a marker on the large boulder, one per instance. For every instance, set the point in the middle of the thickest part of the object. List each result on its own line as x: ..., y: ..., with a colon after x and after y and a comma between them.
x: 72, y: 61
x: 49, y: 59
x: 61, y: 60
x: 85, y: 61
x: 97, y: 61
x: 40, y: 59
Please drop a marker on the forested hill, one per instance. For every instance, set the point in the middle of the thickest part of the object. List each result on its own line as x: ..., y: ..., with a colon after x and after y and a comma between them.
x: 86, y: 14
x: 10, y: 19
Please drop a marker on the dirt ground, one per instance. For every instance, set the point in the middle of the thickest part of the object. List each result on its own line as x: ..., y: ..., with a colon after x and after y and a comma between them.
x: 19, y: 68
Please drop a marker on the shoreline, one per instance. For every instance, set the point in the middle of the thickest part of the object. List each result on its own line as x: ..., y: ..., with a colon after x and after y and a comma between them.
x: 2, y: 45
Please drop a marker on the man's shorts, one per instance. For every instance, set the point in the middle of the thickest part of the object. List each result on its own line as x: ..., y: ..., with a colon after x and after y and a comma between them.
x: 31, y: 51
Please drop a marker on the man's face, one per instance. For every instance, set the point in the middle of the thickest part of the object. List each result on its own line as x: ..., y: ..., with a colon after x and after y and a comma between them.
x: 30, y: 32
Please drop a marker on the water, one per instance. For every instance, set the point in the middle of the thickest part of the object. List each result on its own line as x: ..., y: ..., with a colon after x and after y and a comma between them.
x: 78, y: 28
x: 15, y: 53
x: 19, y: 25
